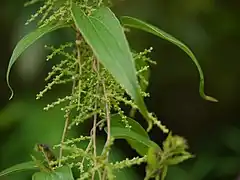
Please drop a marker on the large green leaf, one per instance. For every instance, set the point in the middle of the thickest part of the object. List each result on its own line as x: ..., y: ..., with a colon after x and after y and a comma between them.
x: 124, y: 133
x: 117, y: 122
x: 19, y: 167
x: 62, y: 173
x: 105, y: 35
x: 136, y: 136
x: 25, y: 42
x: 136, y: 23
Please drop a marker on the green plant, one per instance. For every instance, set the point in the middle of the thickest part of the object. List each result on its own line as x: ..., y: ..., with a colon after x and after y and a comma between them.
x: 103, y: 72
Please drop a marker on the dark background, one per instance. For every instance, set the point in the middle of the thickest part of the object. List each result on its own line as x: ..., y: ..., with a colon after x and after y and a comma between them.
x: 210, y: 28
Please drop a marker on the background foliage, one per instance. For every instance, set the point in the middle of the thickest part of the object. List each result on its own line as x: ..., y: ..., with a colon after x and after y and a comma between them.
x: 209, y: 27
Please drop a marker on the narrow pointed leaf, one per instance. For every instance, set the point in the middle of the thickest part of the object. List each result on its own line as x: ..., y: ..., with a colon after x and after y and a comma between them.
x: 62, y: 173
x: 136, y: 23
x: 25, y: 42
x: 105, y: 35
x: 19, y: 167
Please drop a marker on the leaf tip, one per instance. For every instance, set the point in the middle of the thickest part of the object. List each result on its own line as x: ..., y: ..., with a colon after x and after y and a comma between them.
x: 203, y: 95
x: 11, y: 90
x: 209, y: 98
x: 10, y: 98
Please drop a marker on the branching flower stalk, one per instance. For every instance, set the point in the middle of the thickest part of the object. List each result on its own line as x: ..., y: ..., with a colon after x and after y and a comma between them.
x: 101, y: 91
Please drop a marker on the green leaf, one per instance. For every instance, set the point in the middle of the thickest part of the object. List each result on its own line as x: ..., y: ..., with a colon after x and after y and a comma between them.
x: 116, y: 121
x: 137, y: 141
x: 19, y: 167
x: 25, y: 42
x: 124, y: 133
x: 178, y: 159
x: 62, y: 173
x: 136, y: 23
x: 104, y: 34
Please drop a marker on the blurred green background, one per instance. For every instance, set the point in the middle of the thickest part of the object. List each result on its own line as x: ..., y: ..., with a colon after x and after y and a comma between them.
x: 209, y: 27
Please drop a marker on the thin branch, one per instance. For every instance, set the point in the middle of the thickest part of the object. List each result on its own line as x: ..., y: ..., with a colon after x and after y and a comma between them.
x: 94, y: 143
x: 108, y: 141
x: 93, y: 131
x: 107, y: 117
x: 65, y: 126
x: 78, y: 46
